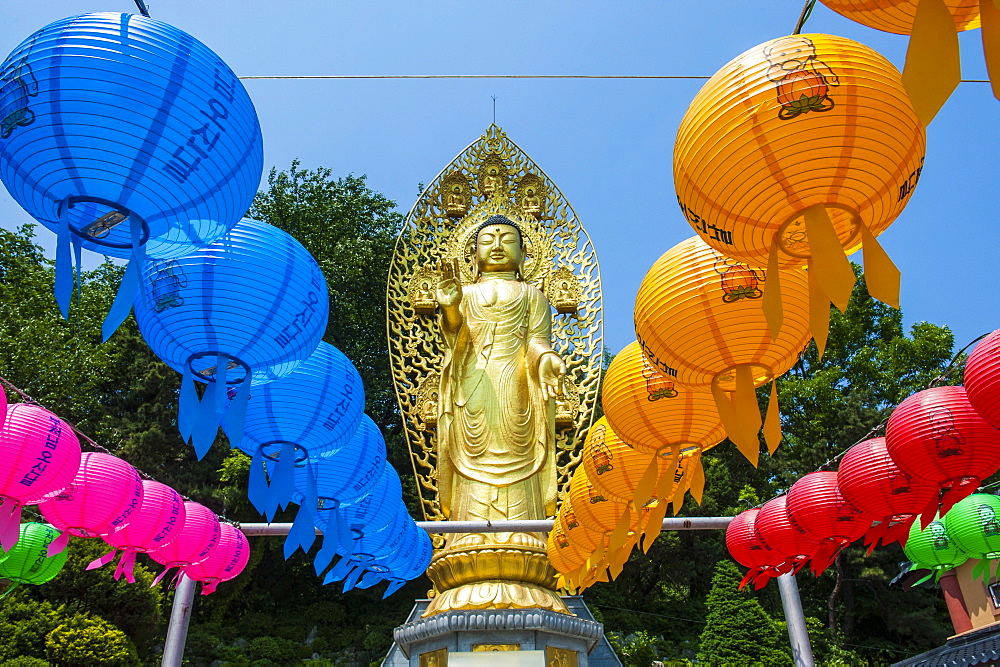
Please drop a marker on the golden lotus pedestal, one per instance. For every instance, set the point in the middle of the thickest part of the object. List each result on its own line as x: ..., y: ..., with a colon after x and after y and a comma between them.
x: 493, y: 576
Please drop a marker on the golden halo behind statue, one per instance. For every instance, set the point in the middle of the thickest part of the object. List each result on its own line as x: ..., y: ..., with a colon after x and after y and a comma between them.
x: 539, y: 251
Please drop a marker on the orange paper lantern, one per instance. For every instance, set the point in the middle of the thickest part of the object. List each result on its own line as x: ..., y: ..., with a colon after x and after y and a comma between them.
x: 933, y: 64
x: 584, y: 537
x: 619, y: 471
x: 896, y: 16
x: 696, y: 330
x: 796, y: 151
x: 649, y: 411
x: 563, y: 555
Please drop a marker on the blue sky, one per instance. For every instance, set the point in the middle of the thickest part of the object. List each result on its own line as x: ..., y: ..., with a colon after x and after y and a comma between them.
x: 606, y: 143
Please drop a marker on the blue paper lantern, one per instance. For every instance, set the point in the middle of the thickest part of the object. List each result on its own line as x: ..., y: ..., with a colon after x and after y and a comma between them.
x: 366, y: 548
x: 408, y: 562
x: 328, y: 481
x: 241, y: 312
x: 316, y: 408
x: 128, y: 137
x: 370, y: 514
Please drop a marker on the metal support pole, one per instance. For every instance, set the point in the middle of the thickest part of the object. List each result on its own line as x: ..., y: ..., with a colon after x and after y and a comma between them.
x: 795, y: 621
x: 526, y: 526
x: 180, y: 618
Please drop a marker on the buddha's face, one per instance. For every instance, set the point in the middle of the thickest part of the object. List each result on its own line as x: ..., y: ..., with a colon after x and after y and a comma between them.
x: 498, y: 248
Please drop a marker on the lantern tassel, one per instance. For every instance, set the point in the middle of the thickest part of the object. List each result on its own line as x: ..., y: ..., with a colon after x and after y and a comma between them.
x: 881, y: 274
x: 647, y: 485
x: 187, y: 407
x: 10, y: 589
x: 819, y: 313
x: 654, y: 522
x: 303, y: 532
x: 697, y: 479
x: 933, y: 66
x: 282, y: 479
x: 746, y: 579
x: 825, y: 555
x: 682, y: 486
x: 326, y: 552
x: 774, y: 310
x: 956, y: 492
x: 772, y: 420
x: 352, y: 578
x: 103, y: 560
x: 160, y: 576
x: 393, y: 587
x: 748, y: 446
x: 206, y: 424
x: 122, y: 304
x: 78, y: 263
x: 620, y: 533
x: 747, y: 409
x: 834, y: 274
x: 64, y: 263
x: 923, y: 579
x: 207, y: 588
x: 980, y: 569
x: 370, y: 579
x: 236, y: 412
x: 930, y: 511
x: 10, y: 523
x: 57, y: 545
x: 126, y: 566
x: 339, y: 570
x: 257, y: 485
x: 989, y: 14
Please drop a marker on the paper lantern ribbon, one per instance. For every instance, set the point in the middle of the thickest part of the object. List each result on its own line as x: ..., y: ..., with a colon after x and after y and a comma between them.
x: 303, y: 531
x: 199, y: 419
x: 10, y: 523
x: 57, y: 545
x: 126, y: 564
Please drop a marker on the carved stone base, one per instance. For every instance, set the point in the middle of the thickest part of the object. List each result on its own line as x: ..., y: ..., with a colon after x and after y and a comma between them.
x: 446, y: 638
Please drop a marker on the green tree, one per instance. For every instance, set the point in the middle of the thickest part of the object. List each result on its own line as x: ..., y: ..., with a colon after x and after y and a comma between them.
x: 737, y: 629
x: 89, y: 640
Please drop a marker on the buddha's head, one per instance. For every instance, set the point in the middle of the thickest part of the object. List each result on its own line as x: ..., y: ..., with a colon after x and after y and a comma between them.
x: 499, y: 245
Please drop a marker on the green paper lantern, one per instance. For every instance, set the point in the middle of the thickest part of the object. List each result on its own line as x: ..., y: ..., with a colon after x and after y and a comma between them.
x: 974, y: 525
x: 933, y: 549
x: 28, y: 561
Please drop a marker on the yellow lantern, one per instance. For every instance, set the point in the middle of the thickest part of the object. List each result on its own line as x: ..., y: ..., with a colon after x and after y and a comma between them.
x: 693, y: 331
x: 649, y: 411
x: 933, y: 68
x: 610, y: 519
x: 617, y: 470
x: 585, y: 538
x: 563, y: 555
x: 797, y: 151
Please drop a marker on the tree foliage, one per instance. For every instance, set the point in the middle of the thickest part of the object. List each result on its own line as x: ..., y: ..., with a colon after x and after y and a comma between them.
x: 737, y: 629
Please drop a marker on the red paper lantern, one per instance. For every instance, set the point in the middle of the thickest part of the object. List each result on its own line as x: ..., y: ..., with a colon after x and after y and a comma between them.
x: 776, y: 532
x: 818, y: 508
x: 194, y: 542
x: 982, y: 378
x: 937, y: 435
x: 102, y: 498
x: 224, y: 562
x: 872, y: 482
x: 747, y: 550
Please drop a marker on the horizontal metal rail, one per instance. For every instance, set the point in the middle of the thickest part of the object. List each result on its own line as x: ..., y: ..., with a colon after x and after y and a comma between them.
x: 539, y: 526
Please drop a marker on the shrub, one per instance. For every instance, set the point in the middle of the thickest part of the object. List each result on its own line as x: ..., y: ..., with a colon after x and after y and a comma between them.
x: 25, y: 661
x: 274, y: 649
x: 24, y: 624
x: 89, y: 640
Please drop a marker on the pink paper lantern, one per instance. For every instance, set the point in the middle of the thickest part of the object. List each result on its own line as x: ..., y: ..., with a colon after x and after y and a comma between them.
x: 101, y: 499
x: 195, y: 540
x: 156, y: 524
x: 224, y: 562
x: 3, y: 405
x: 40, y: 455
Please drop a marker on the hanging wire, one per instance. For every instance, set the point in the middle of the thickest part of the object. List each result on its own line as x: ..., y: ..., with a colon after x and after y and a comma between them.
x: 951, y: 367
x: 25, y: 398
x: 807, y: 10
x: 306, y: 77
x: 142, y: 8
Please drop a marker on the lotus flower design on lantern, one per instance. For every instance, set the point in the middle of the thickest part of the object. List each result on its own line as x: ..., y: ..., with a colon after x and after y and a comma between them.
x: 803, y: 81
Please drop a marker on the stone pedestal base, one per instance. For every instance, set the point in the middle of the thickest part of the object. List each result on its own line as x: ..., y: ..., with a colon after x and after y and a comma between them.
x: 567, y: 640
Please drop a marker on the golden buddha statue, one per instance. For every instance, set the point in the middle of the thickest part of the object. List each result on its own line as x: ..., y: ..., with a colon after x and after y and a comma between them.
x: 500, y: 378
x: 490, y: 359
